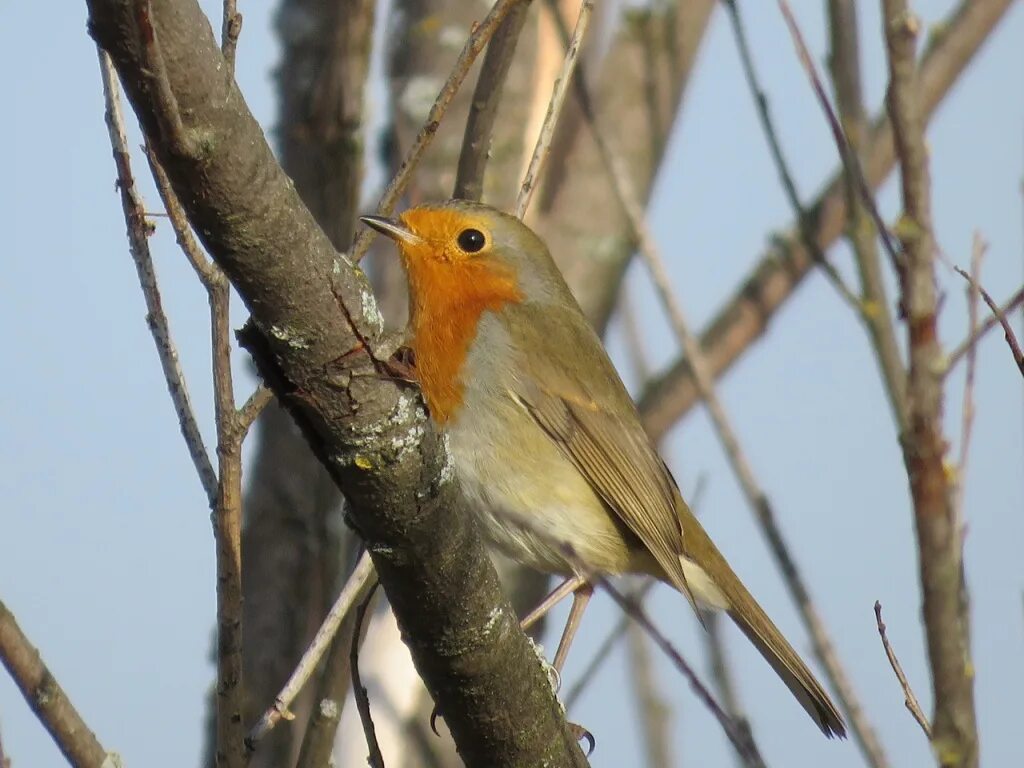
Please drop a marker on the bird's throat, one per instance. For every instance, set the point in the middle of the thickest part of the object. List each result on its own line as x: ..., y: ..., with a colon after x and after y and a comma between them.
x: 446, y: 304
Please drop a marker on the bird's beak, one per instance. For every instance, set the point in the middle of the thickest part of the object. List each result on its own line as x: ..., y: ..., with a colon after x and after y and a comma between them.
x: 392, y: 229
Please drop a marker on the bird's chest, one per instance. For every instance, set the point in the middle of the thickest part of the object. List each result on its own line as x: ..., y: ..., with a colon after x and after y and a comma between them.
x: 530, y: 499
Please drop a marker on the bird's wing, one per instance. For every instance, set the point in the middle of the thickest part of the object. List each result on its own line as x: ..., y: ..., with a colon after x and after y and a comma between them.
x: 571, y: 389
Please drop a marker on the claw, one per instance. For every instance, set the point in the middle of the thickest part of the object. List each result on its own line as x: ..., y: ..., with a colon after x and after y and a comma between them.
x: 434, y: 714
x: 582, y: 733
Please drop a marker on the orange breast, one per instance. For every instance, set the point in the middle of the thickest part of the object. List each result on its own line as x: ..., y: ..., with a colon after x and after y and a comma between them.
x: 446, y: 304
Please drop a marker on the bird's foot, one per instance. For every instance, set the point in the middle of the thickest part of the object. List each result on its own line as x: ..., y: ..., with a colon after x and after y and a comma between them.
x: 580, y: 733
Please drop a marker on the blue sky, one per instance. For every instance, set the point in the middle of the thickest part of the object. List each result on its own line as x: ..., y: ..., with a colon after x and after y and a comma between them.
x: 106, y: 552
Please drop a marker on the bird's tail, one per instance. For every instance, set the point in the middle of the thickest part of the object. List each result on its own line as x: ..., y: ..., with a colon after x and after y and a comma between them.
x: 756, y: 625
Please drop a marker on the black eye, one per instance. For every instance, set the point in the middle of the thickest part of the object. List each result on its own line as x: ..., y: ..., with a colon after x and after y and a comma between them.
x: 471, y: 240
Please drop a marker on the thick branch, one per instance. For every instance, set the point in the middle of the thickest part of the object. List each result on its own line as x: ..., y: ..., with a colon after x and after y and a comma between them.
x: 293, y: 534
x: 745, y: 316
x: 313, y: 322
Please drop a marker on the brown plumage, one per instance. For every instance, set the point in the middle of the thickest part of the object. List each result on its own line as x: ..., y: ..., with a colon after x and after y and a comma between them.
x: 541, y: 427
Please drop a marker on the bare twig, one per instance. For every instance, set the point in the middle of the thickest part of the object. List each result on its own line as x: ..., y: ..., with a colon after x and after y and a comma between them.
x: 654, y: 712
x: 231, y: 28
x: 741, y: 739
x: 849, y: 159
x: 844, y: 65
x: 477, y: 40
x: 361, y: 577
x: 1005, y: 310
x: 47, y: 699
x: 967, y: 406
x: 332, y: 687
x: 232, y: 427
x: 206, y: 271
x: 558, y: 92
x: 374, y: 758
x: 804, y: 223
x: 603, y: 651
x: 1000, y: 315
x: 940, y: 552
x: 619, y: 630
x: 722, y: 674
x: 746, y: 315
x: 483, y: 109
x: 227, y: 528
x: 909, y: 699
x: 823, y: 647
x: 138, y: 245
x: 252, y: 408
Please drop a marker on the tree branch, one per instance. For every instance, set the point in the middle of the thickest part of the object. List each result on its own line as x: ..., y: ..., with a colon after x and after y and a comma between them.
x: 483, y: 109
x: 954, y: 732
x: 313, y: 322
x: 861, y: 233
x: 637, y: 92
x: 47, y: 699
x: 745, y: 316
x: 477, y: 40
x: 909, y: 699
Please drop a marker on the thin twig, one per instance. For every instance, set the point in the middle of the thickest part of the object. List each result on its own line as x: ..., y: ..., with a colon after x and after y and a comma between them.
x: 231, y: 28
x: 1000, y: 316
x: 909, y: 699
x: 714, y: 642
x: 477, y: 40
x: 745, y: 746
x: 47, y: 699
x: 758, y: 500
x: 967, y: 406
x: 619, y: 630
x: 375, y: 759
x: 939, y: 541
x: 722, y: 673
x: 745, y: 317
x: 138, y: 245
x: 333, y: 685
x: 849, y: 159
x: 844, y: 65
x: 558, y: 92
x: 653, y: 711
x: 363, y: 575
x: 804, y: 222
x: 1005, y: 310
x: 603, y: 651
x: 227, y: 527
x: 252, y: 408
x: 483, y: 109
x: 206, y: 270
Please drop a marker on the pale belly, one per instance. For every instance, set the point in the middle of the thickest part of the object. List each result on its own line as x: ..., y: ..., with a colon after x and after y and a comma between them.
x: 532, y: 502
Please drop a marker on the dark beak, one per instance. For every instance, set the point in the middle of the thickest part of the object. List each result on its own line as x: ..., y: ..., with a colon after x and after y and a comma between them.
x: 392, y: 229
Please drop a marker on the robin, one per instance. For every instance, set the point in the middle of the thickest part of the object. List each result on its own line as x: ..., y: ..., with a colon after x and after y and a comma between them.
x: 545, y: 440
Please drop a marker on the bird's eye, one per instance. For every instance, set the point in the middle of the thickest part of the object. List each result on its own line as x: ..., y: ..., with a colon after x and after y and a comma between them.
x: 471, y: 240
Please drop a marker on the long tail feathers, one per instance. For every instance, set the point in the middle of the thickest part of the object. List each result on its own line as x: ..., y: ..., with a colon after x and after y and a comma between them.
x: 787, y: 664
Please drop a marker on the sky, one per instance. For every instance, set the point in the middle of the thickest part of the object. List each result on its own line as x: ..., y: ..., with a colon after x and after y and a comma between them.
x: 106, y: 550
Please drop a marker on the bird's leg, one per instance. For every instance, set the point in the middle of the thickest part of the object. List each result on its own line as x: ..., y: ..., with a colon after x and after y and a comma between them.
x: 559, y: 593
x: 580, y: 598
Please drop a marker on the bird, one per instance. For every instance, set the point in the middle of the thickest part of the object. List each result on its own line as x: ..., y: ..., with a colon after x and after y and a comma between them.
x: 545, y: 440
